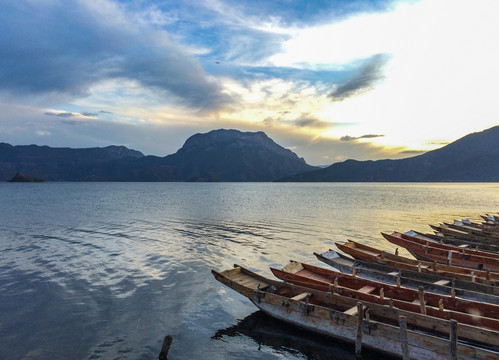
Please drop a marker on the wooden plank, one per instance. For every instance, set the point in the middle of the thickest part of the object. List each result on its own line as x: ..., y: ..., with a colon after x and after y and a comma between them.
x: 358, y: 340
x: 352, y: 311
x: 301, y: 297
x: 453, y: 339
x: 367, y: 289
x: 442, y: 282
x: 404, y: 346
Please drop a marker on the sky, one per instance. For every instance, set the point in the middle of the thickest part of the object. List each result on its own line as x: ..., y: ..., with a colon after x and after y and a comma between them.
x: 329, y: 79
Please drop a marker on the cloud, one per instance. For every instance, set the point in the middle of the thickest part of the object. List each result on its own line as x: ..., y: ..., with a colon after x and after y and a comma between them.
x: 90, y: 114
x: 364, y: 79
x: 353, y: 138
x: 61, y: 47
x: 60, y: 114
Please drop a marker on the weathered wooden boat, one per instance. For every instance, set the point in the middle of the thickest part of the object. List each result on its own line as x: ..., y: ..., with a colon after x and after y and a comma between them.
x: 484, y: 225
x: 451, y: 240
x: 440, y: 306
x: 479, y: 233
x: 437, y: 252
x: 448, y: 231
x: 491, y: 219
x: 369, y: 254
x: 373, y: 326
x: 399, y: 238
x: 460, y: 234
x: 411, y: 279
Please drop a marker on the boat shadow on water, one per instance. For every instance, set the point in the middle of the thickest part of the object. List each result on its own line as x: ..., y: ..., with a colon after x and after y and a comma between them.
x: 283, y: 338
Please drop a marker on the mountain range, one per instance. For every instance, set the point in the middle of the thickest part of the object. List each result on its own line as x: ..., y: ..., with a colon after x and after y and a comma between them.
x: 232, y: 155
x: 474, y: 157
x: 219, y: 155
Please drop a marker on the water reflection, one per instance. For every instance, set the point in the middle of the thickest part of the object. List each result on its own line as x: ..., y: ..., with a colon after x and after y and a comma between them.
x: 288, y: 340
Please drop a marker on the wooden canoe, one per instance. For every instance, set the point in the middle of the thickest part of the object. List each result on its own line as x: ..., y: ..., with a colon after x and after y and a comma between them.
x: 450, y: 240
x: 430, y: 252
x: 430, y: 282
x: 473, y: 230
x: 331, y: 315
x: 457, y: 233
x: 444, y: 229
x: 484, y: 225
x: 398, y: 238
x: 436, y: 305
x: 369, y: 254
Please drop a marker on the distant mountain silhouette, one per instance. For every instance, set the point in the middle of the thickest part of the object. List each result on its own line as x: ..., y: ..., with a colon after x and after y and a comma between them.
x: 56, y: 164
x: 474, y: 157
x: 219, y: 155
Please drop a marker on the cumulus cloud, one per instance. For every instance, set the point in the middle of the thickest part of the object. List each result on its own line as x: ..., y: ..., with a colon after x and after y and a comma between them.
x: 66, y: 48
x: 363, y: 80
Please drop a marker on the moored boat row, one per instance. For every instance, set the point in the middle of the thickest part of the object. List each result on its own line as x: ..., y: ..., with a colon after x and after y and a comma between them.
x: 381, y: 327
x: 443, y: 304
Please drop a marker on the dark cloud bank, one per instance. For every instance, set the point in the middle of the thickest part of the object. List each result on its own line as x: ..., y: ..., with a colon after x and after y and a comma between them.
x: 65, y: 47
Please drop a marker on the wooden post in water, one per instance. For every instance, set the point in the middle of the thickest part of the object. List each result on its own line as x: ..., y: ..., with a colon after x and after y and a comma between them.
x: 360, y: 321
x: 404, y: 344
x: 163, y: 355
x: 453, y: 339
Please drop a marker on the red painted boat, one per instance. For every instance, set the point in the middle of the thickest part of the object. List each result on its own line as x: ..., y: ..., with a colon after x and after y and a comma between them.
x: 370, y: 254
x: 429, y: 252
x: 396, y: 238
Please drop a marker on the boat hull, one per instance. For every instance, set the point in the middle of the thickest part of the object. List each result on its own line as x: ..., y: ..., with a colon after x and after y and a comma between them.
x: 339, y: 325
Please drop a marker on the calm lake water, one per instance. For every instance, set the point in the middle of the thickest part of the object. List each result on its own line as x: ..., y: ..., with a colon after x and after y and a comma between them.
x: 106, y: 270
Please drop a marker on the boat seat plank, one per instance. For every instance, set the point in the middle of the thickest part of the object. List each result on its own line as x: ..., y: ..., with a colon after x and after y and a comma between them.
x: 442, y: 282
x: 417, y: 302
x: 301, y: 297
x: 367, y: 289
x: 352, y: 311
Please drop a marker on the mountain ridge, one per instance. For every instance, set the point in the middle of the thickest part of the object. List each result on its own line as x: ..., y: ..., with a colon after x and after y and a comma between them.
x: 219, y: 155
x: 470, y: 158
x: 232, y: 155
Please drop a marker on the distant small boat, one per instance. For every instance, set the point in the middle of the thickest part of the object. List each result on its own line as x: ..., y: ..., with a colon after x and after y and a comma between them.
x: 370, y: 325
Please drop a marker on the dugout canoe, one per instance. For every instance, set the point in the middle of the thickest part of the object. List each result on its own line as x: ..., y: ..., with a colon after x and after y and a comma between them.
x: 473, y: 230
x: 398, y: 238
x: 369, y: 254
x: 440, y: 306
x: 434, y: 252
x: 412, y: 279
x: 450, y: 240
x: 459, y: 234
x: 331, y: 314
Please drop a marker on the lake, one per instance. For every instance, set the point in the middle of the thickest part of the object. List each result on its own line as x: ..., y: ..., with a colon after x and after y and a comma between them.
x: 106, y: 270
